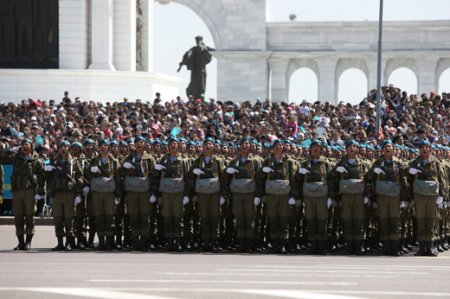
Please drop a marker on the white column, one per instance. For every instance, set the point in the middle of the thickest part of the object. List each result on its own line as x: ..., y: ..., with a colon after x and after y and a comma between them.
x: 125, y: 35
x: 102, y: 35
x: 372, y: 77
x: 327, y: 80
x: 74, y: 33
x: 147, y: 35
x: 427, y: 75
x: 279, y: 82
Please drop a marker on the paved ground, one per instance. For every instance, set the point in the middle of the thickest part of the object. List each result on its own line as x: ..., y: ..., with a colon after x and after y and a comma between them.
x: 46, y: 274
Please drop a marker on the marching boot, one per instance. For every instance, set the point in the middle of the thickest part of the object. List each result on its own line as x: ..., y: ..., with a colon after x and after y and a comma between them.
x: 21, y: 245
x: 403, y: 247
x: 249, y: 245
x: 439, y: 245
x: 81, y: 243
x: 136, y: 244
x: 178, y: 245
x: 282, y: 248
x: 241, y: 245
x: 422, y: 249
x: 109, y: 243
x: 387, y: 250
x: 28, y: 242
x: 350, y: 248
x: 322, y: 247
x: 101, y: 244
x: 60, y: 245
x: 395, y: 251
x: 169, y: 246
x: 91, y: 240
x: 118, y: 243
x: 431, y: 249
x: 359, y: 248
x: 70, y: 243
x: 144, y: 244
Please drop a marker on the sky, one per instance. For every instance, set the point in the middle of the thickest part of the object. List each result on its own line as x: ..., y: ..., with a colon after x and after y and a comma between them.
x: 175, y: 27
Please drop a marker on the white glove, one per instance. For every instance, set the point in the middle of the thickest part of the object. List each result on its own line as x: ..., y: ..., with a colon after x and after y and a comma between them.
x: 197, y: 171
x: 231, y: 170
x: 222, y: 200
x: 185, y: 200
x: 152, y: 199
x: 128, y: 165
x: 77, y: 200
x: 341, y: 169
x: 117, y: 201
x: 16, y: 149
x: 439, y: 200
x: 445, y: 205
x: 86, y: 190
x: 49, y: 167
x: 378, y: 170
x: 291, y: 201
x: 303, y: 171
x: 329, y: 203
x: 414, y: 171
x: 256, y: 201
x: 366, y: 200
x: 159, y: 167
x: 267, y: 169
x: 37, y: 197
x: 95, y: 169
x: 403, y: 205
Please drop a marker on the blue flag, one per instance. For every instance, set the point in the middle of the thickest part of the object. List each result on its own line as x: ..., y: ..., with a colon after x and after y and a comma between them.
x: 175, y: 131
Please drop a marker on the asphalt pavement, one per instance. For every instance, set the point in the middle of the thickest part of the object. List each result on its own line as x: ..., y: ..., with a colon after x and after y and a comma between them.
x: 42, y: 273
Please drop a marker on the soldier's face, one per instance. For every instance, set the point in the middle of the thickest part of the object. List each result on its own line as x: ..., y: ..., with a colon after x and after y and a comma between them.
x: 89, y: 148
x: 114, y: 149
x: 123, y: 149
x: 26, y: 148
x: 315, y: 150
x: 104, y: 148
x: 140, y: 144
x: 388, y: 149
x: 75, y: 151
x: 352, y: 149
x: 245, y: 146
x: 63, y: 149
x: 209, y: 146
x: 173, y: 146
x: 425, y: 150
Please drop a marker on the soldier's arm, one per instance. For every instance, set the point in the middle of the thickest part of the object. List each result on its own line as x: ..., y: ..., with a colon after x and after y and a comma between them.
x: 293, y: 170
x: 40, y: 175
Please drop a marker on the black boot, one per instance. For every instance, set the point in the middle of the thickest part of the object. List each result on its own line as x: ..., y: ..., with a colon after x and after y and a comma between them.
x: 350, y: 248
x: 395, y: 249
x: 439, y: 245
x: 91, y: 240
x: 282, y: 248
x: 387, y: 250
x: 144, y: 244
x: 178, y: 247
x: 70, y: 243
x: 136, y: 244
x: 109, y: 243
x: 322, y: 247
x: 431, y: 249
x: 28, y: 242
x: 101, y: 244
x: 60, y: 245
x: 403, y: 247
x: 422, y: 249
x: 169, y: 246
x: 249, y: 245
x: 359, y: 248
x: 314, y: 247
x: 242, y: 248
x: 21, y: 245
x: 118, y: 243
x: 82, y: 243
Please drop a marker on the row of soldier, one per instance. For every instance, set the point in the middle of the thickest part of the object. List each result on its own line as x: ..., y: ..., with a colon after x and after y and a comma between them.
x: 186, y: 196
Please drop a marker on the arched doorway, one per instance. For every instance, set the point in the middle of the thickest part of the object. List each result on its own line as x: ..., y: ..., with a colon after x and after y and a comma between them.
x: 352, y: 86
x: 303, y: 84
x: 444, y: 81
x: 405, y: 79
x: 175, y: 28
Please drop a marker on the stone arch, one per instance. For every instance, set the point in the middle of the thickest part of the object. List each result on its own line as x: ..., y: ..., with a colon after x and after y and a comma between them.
x: 442, y: 65
x: 395, y: 63
x: 296, y: 64
x: 344, y: 64
x: 209, y: 17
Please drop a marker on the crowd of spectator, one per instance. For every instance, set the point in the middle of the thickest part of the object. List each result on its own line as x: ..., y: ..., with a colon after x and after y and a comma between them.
x: 407, y: 119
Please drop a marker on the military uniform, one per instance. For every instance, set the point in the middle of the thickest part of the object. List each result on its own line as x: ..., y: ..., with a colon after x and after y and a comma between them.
x: 139, y: 207
x: 105, y: 184
x: 428, y: 184
x: 315, y: 193
x: 245, y: 187
x: 278, y: 210
x: 351, y: 188
x: 389, y: 189
x: 27, y: 180
x: 173, y: 186
x: 65, y: 184
x: 208, y: 187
